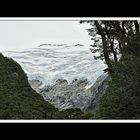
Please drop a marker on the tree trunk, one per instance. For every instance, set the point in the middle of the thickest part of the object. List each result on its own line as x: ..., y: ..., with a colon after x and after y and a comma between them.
x: 120, y: 45
x: 112, y: 50
x: 136, y: 26
x: 105, y: 52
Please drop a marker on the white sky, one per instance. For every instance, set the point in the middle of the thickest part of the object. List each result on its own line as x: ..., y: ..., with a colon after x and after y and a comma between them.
x: 16, y: 35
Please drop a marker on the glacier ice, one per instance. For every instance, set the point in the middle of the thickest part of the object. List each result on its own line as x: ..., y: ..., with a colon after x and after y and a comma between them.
x: 50, y: 62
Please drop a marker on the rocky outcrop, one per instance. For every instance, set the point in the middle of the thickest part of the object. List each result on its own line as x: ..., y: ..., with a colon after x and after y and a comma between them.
x: 35, y: 84
x: 97, y: 91
x: 73, y: 95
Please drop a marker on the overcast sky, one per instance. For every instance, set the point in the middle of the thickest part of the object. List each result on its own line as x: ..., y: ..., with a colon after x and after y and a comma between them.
x: 16, y: 35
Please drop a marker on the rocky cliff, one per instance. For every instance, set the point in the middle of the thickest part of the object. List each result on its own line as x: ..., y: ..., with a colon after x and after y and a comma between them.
x: 97, y: 91
x: 73, y: 95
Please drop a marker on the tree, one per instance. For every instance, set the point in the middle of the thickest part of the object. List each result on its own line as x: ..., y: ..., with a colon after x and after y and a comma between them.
x: 122, y: 98
x: 110, y: 37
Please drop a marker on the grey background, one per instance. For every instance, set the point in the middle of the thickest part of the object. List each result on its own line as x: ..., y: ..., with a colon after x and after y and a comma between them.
x: 16, y: 35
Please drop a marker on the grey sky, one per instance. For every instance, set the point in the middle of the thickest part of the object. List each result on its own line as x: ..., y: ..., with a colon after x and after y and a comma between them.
x: 15, y: 35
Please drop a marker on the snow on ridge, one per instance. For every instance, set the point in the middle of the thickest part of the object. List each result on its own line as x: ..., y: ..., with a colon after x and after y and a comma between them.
x: 61, y: 61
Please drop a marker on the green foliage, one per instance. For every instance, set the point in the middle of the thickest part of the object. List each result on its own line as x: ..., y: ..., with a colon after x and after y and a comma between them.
x: 87, y: 115
x: 19, y: 101
x: 110, y: 37
x: 122, y: 99
x: 74, y: 113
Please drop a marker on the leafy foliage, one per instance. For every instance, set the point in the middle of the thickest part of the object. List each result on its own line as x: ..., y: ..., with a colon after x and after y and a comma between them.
x: 109, y: 37
x: 122, y: 99
x: 74, y: 113
x: 119, y: 39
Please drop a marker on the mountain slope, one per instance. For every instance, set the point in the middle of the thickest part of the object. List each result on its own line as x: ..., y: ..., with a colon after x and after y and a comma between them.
x: 19, y: 101
x: 51, y: 62
x: 63, y: 74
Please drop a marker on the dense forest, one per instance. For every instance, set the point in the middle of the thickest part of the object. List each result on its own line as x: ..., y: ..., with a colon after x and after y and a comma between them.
x: 118, y: 44
x: 19, y: 101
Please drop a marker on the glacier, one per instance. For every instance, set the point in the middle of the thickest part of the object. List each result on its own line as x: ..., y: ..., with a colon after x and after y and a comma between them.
x: 45, y: 64
x: 50, y: 62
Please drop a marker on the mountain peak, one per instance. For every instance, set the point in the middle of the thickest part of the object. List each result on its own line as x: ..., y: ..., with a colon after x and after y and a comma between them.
x: 49, y: 44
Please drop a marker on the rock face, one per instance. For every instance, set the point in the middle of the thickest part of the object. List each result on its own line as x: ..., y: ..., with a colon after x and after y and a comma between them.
x: 97, y: 90
x: 35, y: 84
x: 73, y: 95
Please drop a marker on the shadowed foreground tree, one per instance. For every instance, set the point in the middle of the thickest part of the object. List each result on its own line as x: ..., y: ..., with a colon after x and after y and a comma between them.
x: 109, y: 37
x: 122, y: 98
x: 118, y: 43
